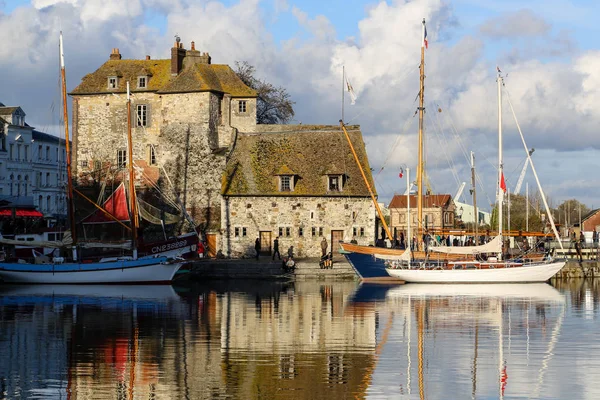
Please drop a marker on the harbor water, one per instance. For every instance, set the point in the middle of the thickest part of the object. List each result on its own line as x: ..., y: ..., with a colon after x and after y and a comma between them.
x: 301, y: 340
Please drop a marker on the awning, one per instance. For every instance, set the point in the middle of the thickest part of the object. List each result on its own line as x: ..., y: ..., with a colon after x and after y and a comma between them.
x: 21, y: 212
x: 29, y: 213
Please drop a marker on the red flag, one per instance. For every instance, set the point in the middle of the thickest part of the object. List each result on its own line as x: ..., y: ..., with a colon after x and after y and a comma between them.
x: 502, y: 183
x: 401, y: 174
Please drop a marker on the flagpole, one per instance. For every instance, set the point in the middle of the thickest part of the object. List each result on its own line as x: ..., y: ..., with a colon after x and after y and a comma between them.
x: 343, y: 88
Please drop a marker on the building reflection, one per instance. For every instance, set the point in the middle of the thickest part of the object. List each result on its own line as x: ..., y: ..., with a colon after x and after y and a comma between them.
x: 255, y: 341
x: 286, y: 340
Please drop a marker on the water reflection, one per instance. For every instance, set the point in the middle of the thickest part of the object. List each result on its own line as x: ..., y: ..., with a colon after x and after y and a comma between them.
x: 303, y: 340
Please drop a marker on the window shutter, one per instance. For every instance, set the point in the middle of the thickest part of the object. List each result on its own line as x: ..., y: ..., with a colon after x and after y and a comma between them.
x: 148, y: 115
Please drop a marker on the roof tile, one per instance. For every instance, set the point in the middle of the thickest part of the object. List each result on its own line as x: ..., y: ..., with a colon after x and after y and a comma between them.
x: 309, y: 151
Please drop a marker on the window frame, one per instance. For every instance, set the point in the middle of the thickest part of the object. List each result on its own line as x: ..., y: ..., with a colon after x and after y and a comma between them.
x: 121, y: 158
x: 142, y: 113
x: 151, y: 155
x: 144, y: 79
x: 286, y: 179
x: 242, y: 106
x: 110, y: 82
x: 337, y: 187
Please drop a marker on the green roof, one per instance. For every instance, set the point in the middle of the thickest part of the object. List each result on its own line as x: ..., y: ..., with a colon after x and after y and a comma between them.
x: 308, y: 152
x: 195, y: 78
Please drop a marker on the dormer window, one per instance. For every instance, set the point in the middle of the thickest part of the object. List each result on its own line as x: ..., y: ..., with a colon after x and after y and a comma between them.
x: 113, y: 82
x: 142, y: 82
x: 242, y: 106
x: 334, y: 183
x: 286, y: 183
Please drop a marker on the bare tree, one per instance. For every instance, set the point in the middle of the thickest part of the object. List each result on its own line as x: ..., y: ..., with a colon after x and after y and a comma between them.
x: 273, y: 104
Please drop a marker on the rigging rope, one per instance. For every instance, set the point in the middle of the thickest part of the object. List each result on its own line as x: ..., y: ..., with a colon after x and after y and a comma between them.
x: 466, y: 155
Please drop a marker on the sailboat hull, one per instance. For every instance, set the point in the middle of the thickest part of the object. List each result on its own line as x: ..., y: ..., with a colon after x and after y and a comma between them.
x: 367, y: 266
x: 118, y: 272
x: 526, y: 273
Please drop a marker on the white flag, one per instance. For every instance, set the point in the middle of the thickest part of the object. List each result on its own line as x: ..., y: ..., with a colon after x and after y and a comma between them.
x: 351, y: 91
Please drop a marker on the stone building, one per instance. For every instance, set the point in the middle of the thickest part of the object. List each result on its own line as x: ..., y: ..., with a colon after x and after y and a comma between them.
x: 438, y: 212
x: 237, y: 179
x: 299, y: 183
x: 32, y: 165
x: 186, y: 113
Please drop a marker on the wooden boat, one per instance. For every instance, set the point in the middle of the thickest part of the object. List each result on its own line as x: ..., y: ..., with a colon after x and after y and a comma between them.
x: 152, y: 270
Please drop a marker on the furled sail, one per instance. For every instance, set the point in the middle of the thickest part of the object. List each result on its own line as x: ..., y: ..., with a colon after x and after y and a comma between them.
x: 402, y: 257
x: 155, y: 215
x: 66, y: 241
x: 494, y: 246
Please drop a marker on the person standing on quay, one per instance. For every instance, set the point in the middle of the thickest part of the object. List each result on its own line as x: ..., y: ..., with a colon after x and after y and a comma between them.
x: 323, y: 247
x: 257, y: 247
x: 276, y: 248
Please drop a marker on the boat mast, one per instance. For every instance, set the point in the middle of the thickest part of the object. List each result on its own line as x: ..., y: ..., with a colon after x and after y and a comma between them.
x: 420, y: 161
x: 132, y: 197
x: 408, y: 239
x: 385, y: 226
x: 474, y: 198
x: 67, y: 148
x: 500, y: 162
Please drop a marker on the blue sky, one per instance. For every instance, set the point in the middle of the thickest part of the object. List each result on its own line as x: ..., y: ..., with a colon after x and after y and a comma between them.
x: 548, y: 49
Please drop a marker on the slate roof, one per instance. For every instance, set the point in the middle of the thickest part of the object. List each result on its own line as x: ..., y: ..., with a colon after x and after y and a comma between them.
x: 308, y: 151
x: 589, y: 214
x: 195, y: 78
x: 46, y: 137
x: 431, y: 200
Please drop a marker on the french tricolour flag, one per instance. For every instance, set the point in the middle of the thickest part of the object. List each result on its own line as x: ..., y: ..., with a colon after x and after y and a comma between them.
x: 425, y: 42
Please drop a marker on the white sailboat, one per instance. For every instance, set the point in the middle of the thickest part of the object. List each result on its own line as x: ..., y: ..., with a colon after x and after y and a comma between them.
x: 150, y: 269
x: 469, y: 270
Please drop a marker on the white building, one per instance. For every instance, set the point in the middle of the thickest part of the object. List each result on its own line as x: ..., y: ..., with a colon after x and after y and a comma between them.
x: 32, y: 165
x: 466, y: 212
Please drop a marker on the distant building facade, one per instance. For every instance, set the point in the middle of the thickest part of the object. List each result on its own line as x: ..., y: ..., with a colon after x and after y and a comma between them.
x: 438, y: 212
x: 32, y: 165
x: 466, y: 213
x: 591, y: 221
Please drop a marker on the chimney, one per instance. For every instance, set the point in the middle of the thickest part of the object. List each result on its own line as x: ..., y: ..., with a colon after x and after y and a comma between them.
x: 177, y: 56
x: 115, y: 55
x: 147, y: 57
x: 194, y: 56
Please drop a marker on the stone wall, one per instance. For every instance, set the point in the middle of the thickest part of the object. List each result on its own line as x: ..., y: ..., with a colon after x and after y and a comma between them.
x: 100, y: 128
x: 269, y: 214
x: 188, y: 140
x: 244, y: 122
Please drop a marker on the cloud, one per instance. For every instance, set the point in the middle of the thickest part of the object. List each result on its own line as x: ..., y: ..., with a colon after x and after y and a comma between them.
x: 515, y: 24
x: 554, y: 99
